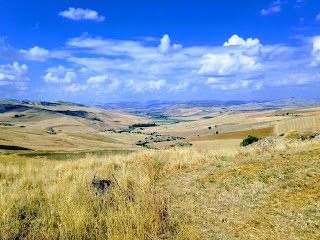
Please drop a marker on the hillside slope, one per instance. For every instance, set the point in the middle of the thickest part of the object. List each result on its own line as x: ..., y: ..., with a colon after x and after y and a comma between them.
x: 181, y: 193
x: 63, y: 126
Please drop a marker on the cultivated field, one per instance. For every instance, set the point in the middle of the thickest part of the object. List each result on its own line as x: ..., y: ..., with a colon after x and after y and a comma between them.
x: 301, y: 124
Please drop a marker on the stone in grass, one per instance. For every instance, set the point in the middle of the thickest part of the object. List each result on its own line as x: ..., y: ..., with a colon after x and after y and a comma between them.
x: 101, y: 186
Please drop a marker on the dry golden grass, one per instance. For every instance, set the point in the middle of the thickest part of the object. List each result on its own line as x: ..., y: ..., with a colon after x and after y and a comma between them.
x: 39, y: 139
x: 216, y: 145
x: 212, y: 190
x: 225, y: 122
x: 73, y: 132
x: 42, y: 199
x: 180, y: 193
x: 262, y: 132
x: 255, y: 193
x: 300, y: 124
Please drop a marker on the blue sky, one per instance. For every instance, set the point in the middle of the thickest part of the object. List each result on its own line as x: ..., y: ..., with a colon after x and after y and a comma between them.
x: 124, y: 50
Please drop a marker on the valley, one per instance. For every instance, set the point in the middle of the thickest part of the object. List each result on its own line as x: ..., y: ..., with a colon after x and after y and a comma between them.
x: 179, y: 174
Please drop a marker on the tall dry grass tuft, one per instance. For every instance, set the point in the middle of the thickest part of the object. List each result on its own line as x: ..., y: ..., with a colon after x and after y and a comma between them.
x: 42, y: 199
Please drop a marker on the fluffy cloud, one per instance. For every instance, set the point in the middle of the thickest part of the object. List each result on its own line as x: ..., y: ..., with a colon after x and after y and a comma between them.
x: 275, y: 7
x: 156, y: 84
x: 74, y: 88
x: 97, y: 79
x: 237, y: 58
x: 95, y: 85
x: 225, y: 84
x: 235, y: 40
x: 165, y: 45
x: 82, y: 14
x: 12, y: 74
x: 112, y: 47
x: 146, y: 86
x: 60, y: 74
x: 129, y: 67
x: 36, y: 53
x: 103, y: 83
x: 179, y: 87
x: 134, y: 63
x: 228, y: 64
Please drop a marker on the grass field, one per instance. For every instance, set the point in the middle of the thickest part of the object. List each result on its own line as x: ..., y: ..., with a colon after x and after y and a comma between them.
x: 311, y: 123
x: 76, y: 128
x: 262, y: 133
x: 212, y: 189
x: 181, y: 193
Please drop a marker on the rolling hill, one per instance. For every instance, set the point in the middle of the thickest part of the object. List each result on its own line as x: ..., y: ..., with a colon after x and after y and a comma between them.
x: 64, y: 126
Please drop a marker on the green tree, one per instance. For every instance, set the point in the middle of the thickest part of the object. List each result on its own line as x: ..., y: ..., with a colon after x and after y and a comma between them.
x: 249, y: 140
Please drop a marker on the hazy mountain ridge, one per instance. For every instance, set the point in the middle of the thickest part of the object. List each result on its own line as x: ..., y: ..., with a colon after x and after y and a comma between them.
x: 202, y: 107
x: 159, y: 103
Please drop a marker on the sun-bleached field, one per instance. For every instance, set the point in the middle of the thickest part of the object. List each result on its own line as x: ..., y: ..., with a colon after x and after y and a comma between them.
x: 180, y: 193
x: 76, y: 128
x: 201, y: 186
x: 80, y: 128
x: 311, y: 123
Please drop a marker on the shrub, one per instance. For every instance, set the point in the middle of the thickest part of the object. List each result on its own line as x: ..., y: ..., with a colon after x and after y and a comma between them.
x: 249, y: 140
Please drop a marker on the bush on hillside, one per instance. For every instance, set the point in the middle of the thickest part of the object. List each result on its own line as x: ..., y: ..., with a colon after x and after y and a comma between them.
x: 249, y: 140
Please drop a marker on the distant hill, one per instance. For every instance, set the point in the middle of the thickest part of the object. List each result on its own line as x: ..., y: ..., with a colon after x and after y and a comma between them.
x: 173, y: 108
x: 63, y: 125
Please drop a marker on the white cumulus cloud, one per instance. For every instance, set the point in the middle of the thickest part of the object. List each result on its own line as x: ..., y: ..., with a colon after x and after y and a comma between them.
x: 235, y: 40
x: 74, y: 88
x: 145, y: 86
x: 60, y: 74
x: 165, y: 43
x: 156, y: 84
x: 228, y: 64
x: 36, y: 53
x: 143, y: 67
x: 81, y: 14
x: 226, y: 84
x: 11, y: 74
x: 97, y: 79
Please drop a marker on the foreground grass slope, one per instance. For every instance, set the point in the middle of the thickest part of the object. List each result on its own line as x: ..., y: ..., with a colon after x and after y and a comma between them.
x: 249, y: 193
